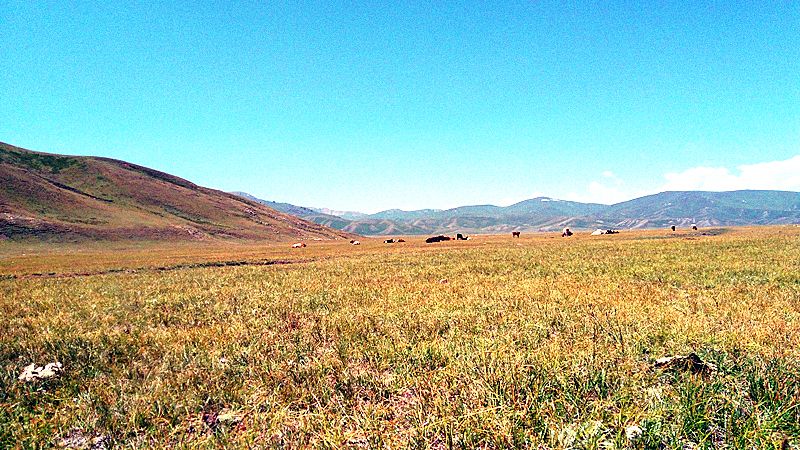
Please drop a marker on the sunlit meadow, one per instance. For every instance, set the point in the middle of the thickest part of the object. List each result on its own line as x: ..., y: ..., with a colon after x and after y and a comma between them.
x: 538, y: 342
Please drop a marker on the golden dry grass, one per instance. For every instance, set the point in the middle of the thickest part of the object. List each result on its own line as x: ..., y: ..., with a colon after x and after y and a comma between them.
x: 533, y: 342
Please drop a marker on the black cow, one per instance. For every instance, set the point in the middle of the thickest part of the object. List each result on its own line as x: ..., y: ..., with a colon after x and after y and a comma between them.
x: 461, y: 237
x: 439, y: 238
x: 673, y: 228
x: 566, y: 233
x: 514, y: 234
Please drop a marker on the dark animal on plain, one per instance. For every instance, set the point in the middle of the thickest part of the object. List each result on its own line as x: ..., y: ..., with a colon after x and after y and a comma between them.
x: 354, y: 242
x: 515, y: 234
x: 461, y: 237
x: 439, y: 238
x: 612, y: 232
x: 673, y: 228
x: 400, y: 240
x: 694, y: 227
x: 566, y: 233
x: 389, y: 241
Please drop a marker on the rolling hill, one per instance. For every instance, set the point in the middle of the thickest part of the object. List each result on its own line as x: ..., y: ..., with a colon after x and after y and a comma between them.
x: 56, y: 197
x: 706, y: 209
x: 399, y: 214
x: 680, y: 208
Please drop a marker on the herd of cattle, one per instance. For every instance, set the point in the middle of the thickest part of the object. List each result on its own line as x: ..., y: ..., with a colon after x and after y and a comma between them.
x: 460, y: 237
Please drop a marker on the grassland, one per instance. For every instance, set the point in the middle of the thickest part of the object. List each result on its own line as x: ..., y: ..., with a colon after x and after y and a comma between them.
x: 539, y: 342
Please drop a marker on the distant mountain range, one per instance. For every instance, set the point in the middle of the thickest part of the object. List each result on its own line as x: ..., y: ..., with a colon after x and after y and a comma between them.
x: 350, y: 215
x: 57, y: 197
x: 680, y: 208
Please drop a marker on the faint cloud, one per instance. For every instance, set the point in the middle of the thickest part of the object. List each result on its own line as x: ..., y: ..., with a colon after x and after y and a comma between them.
x: 509, y: 200
x: 598, y: 192
x: 778, y: 175
x: 608, y: 190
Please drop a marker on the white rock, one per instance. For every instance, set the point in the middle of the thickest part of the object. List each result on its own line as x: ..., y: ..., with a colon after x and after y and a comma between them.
x: 50, y: 370
x: 33, y: 373
x: 633, y: 433
x: 229, y: 417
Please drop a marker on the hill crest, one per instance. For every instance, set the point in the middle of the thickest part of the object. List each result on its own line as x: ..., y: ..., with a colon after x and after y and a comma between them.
x: 60, y: 197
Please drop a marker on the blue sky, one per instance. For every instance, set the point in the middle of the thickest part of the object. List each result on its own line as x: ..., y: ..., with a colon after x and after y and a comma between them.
x: 371, y: 106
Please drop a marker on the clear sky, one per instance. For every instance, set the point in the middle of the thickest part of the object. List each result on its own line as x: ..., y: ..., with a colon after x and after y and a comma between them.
x: 369, y: 106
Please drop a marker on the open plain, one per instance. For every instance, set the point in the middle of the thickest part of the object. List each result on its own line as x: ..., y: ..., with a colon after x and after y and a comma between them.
x: 536, y: 342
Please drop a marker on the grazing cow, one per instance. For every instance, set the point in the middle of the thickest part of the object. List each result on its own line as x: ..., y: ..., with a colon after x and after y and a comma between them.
x: 355, y: 242
x: 600, y: 231
x: 461, y: 237
x: 514, y: 234
x: 439, y: 238
x: 694, y: 227
x: 299, y: 245
x: 389, y: 241
x: 672, y: 228
x: 566, y: 233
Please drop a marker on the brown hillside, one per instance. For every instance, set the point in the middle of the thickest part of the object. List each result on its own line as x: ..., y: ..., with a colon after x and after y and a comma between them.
x: 59, y: 197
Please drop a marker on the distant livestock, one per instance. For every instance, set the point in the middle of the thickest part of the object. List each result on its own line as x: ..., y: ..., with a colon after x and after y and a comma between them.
x: 400, y: 240
x: 461, y: 237
x: 599, y: 232
x: 299, y: 245
x: 566, y: 233
x: 514, y: 234
x: 672, y: 228
x: 388, y: 241
x: 694, y: 227
x: 355, y: 242
x: 439, y: 238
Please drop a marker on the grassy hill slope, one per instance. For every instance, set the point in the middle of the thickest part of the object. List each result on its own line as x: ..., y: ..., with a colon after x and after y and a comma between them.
x: 70, y: 197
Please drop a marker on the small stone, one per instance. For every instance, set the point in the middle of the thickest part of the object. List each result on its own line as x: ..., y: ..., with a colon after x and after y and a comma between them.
x: 229, y: 418
x: 690, y: 362
x: 74, y: 439
x: 33, y: 373
x: 633, y: 433
x: 99, y: 443
x: 78, y: 439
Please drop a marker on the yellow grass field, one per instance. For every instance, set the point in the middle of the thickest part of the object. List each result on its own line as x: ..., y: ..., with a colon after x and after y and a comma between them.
x: 537, y: 342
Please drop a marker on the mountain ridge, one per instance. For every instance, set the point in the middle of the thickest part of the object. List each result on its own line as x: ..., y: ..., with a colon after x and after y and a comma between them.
x: 679, y: 208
